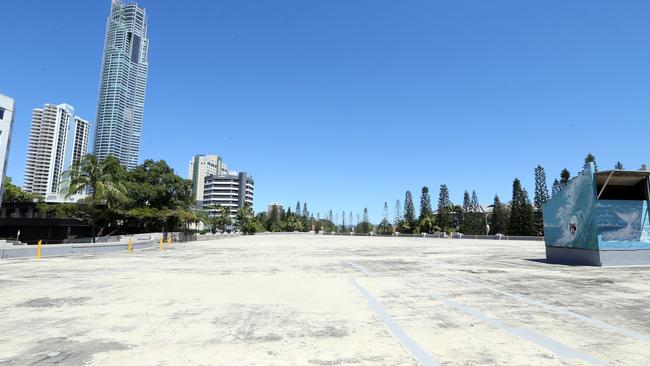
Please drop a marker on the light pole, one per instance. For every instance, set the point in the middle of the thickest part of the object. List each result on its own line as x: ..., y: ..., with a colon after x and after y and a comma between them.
x: 487, y: 226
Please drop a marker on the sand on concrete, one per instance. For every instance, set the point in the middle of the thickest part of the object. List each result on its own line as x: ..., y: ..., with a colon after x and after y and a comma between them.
x: 322, y: 300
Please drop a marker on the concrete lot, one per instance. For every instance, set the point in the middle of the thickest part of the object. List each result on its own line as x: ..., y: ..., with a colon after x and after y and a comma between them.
x: 312, y: 300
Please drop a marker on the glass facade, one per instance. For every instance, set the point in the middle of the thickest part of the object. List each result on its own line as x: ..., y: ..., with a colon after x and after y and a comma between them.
x: 120, y: 106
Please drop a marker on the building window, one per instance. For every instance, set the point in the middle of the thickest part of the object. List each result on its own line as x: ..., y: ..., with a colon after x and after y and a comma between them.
x: 2, y: 113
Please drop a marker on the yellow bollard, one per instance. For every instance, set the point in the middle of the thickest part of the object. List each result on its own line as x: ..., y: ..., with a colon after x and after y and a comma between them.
x: 130, y: 246
x: 169, y: 241
x: 38, y: 250
x: 161, y: 246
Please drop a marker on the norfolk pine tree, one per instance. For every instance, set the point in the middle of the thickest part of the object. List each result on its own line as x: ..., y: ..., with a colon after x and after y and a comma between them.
x: 590, y: 158
x: 425, y: 203
x: 444, y: 216
x: 409, y: 213
x: 541, y: 196
x: 499, y: 218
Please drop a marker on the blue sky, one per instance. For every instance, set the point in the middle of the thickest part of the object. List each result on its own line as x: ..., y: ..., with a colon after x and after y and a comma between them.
x: 347, y: 104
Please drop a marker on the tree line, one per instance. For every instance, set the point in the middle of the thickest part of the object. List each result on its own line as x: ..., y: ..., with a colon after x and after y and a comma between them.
x: 517, y: 217
x: 301, y: 220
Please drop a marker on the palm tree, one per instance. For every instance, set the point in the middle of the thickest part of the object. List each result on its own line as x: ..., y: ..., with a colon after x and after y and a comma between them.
x: 243, y: 219
x: 224, y: 218
x: 218, y: 217
x: 427, y: 223
x: 101, y: 179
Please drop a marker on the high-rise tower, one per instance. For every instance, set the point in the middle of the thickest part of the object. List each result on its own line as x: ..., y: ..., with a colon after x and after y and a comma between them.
x: 57, y: 140
x: 6, y: 127
x: 200, y: 167
x: 123, y: 82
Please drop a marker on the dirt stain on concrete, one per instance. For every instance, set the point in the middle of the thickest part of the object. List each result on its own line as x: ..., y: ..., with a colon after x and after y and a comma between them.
x: 63, y: 351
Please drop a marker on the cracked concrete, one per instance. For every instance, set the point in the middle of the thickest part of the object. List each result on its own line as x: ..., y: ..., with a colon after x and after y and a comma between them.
x: 288, y: 300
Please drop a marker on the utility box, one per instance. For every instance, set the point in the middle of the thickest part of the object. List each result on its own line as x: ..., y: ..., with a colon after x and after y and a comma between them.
x: 600, y: 219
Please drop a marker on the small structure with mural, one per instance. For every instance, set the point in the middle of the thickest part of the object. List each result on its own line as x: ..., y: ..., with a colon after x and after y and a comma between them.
x: 600, y: 218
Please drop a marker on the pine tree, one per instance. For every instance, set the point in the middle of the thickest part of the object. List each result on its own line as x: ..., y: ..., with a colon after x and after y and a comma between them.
x: 464, y: 215
x: 398, y: 212
x: 528, y: 215
x: 364, y: 227
x: 331, y: 217
x: 351, y: 224
x: 425, y: 203
x: 466, y: 202
x: 590, y: 158
x: 298, y: 208
x: 409, y: 212
x: 305, y: 213
x: 619, y: 166
x: 521, y: 211
x: 541, y: 196
x: 478, y: 218
x: 557, y: 187
x: 474, y: 205
x: 343, y: 221
x: 385, y: 211
x: 499, y: 217
x: 465, y: 220
x: 444, y: 216
x: 565, y: 176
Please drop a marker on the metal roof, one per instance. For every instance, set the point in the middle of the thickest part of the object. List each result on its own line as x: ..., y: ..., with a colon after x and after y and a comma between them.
x: 621, y: 177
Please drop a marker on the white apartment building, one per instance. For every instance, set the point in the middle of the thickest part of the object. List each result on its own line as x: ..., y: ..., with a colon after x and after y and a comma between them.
x: 6, y: 128
x: 58, y: 139
x: 200, y: 167
x: 233, y: 190
x: 277, y: 205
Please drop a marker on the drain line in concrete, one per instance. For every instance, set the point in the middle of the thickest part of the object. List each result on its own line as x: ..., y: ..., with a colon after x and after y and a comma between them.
x: 560, y: 349
x: 556, y: 309
x: 416, y: 351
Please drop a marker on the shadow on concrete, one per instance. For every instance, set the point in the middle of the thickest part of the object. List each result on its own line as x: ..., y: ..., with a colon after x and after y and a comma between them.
x: 546, y: 261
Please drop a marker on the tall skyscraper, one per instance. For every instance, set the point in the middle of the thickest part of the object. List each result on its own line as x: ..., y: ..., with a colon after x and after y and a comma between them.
x: 200, y: 167
x: 57, y: 140
x: 123, y: 82
x: 6, y: 128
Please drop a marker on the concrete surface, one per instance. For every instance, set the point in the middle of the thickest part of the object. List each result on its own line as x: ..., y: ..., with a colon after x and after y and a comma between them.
x: 313, y: 300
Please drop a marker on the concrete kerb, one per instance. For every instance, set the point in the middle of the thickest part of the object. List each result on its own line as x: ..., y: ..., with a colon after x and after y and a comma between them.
x: 139, y: 242
x: 63, y: 250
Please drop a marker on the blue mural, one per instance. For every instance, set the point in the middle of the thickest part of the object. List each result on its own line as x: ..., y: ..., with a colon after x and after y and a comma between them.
x: 575, y: 218
x: 569, y: 215
x: 623, y: 225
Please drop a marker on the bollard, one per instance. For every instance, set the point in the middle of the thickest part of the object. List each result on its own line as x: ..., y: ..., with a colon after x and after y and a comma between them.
x: 161, y: 245
x: 169, y: 241
x: 38, y: 250
x: 130, y: 246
